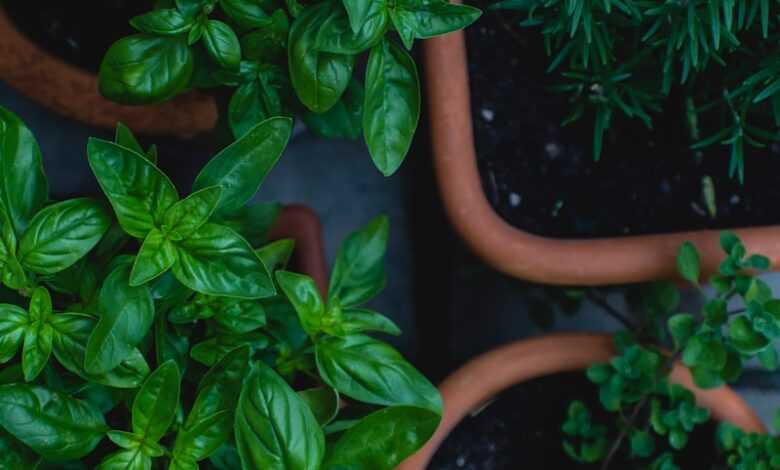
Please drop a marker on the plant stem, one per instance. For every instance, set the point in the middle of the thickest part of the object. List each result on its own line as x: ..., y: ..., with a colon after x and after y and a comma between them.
x: 610, y: 310
x: 624, y: 432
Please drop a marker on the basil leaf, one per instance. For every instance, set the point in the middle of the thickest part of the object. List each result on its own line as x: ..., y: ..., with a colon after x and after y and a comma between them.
x: 13, y: 324
x: 222, y: 44
x: 61, y: 234
x: 210, y: 422
x: 376, y: 443
x: 23, y: 185
x: 124, y: 136
x: 359, y: 272
x: 304, y: 297
x: 156, y: 256
x: 126, y: 460
x: 268, y: 45
x: 165, y: 21
x: 71, y: 333
x: 241, y: 167
x: 277, y: 254
x: 169, y: 346
x: 13, y: 454
x: 215, y: 260
x: 127, y: 314
x: 323, y: 401
x: 344, y: 119
x: 253, y: 222
x: 213, y: 350
x: 143, y: 69
x: 155, y: 404
x: 337, y: 37
x: 189, y: 214
x: 247, y: 13
x: 241, y: 316
x: 256, y: 100
x: 138, y: 191
x: 434, y: 18
x: 392, y: 106
x: 275, y: 429
x: 373, y: 372
x: 358, y: 12
x: 319, y: 78
x: 358, y: 320
x: 37, y: 347
x: 53, y: 424
x: 191, y: 8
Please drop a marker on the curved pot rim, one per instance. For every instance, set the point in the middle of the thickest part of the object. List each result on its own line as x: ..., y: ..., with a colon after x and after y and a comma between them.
x: 488, y: 374
x: 518, y: 253
x: 73, y: 92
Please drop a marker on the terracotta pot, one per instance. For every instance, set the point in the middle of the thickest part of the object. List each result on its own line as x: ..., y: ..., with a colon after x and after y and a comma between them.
x: 302, y: 225
x: 485, y: 376
x: 518, y: 253
x: 73, y: 92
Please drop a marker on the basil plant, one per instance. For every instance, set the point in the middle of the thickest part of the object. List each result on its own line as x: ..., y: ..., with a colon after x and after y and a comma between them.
x: 285, y: 58
x: 159, y: 331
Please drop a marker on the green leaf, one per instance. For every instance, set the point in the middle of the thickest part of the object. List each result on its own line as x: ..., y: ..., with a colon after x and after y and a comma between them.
x: 253, y: 222
x: 376, y: 443
x: 143, y: 69
x: 156, y: 256
x: 744, y: 338
x: 344, y: 119
x: 210, y: 422
x: 241, y: 316
x: 728, y: 241
x: 324, y: 403
x: 370, y: 371
x: 682, y: 326
x: 715, y: 312
x: 215, y: 260
x: 23, y: 185
x: 277, y: 254
x: 247, y: 13
x: 71, y: 333
x: 36, y: 348
x: 433, y: 18
x: 642, y: 444
x: 222, y: 44
x: 126, y: 316
x: 302, y: 293
x: 319, y: 78
x: 126, y: 460
x: 165, y: 21
x: 688, y: 263
x: 13, y: 324
x: 359, y: 320
x: 138, y: 191
x: 768, y: 358
x: 155, y: 404
x: 337, y: 37
x: 275, y: 429
x: 358, y: 12
x: 61, y: 234
x: 214, y: 349
x: 255, y: 101
x: 124, y: 137
x: 392, y: 105
x: 359, y: 272
x: 241, y: 167
x: 53, y: 424
x: 186, y: 216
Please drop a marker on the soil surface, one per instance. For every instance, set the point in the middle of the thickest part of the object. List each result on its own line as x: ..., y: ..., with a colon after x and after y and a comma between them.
x: 78, y: 31
x: 522, y: 429
x: 541, y: 176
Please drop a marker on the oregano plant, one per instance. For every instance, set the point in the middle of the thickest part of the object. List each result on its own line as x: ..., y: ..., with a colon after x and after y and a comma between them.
x: 653, y: 417
x: 286, y: 59
x: 154, y: 330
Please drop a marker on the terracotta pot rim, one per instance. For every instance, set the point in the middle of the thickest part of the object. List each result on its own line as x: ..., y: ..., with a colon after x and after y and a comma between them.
x: 486, y: 375
x: 516, y: 252
x: 73, y: 92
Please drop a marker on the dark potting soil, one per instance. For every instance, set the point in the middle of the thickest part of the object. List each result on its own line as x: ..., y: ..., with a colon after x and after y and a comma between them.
x: 521, y: 428
x: 541, y: 176
x: 78, y: 31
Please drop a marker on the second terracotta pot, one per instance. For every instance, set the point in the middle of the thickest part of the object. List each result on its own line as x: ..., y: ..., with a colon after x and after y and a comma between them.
x: 487, y: 375
x: 516, y: 252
